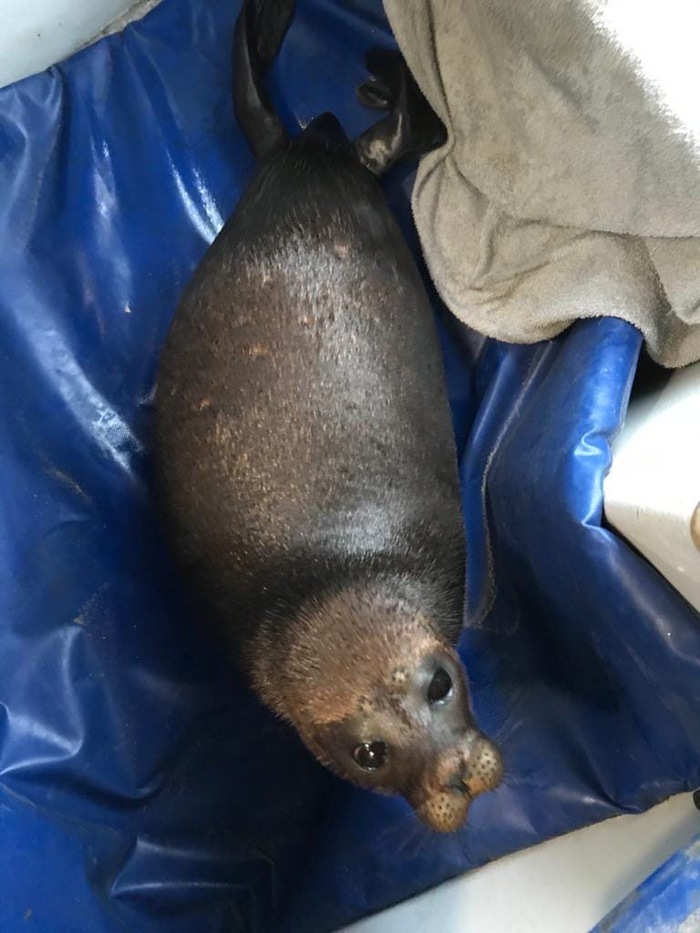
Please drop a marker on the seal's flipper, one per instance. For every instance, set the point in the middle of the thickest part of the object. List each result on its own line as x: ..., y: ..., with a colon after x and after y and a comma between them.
x: 375, y: 94
x: 260, y: 29
x: 272, y: 21
x: 410, y: 129
x: 387, y: 75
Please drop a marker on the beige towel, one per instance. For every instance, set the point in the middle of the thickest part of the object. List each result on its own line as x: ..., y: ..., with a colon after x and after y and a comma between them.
x: 570, y: 184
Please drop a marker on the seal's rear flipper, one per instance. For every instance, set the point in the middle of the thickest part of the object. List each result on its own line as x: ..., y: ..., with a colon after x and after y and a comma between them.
x: 272, y: 19
x: 260, y: 29
x: 410, y: 129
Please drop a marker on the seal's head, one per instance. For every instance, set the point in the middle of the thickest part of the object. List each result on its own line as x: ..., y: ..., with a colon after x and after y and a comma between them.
x: 380, y: 698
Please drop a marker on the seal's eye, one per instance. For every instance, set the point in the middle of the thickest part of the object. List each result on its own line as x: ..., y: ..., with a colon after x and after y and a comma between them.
x: 370, y: 756
x: 440, y: 688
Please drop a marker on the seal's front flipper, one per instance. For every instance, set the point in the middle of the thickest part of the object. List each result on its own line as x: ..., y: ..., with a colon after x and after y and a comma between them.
x: 410, y: 129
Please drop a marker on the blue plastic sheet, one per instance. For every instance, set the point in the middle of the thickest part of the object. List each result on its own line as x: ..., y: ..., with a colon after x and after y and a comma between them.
x: 141, y: 787
x: 669, y: 899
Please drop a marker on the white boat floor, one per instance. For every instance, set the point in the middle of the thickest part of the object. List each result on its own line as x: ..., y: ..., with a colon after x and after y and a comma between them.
x: 565, y: 885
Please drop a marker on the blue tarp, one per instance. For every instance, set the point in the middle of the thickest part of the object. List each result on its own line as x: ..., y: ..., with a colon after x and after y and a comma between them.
x: 141, y: 788
x: 667, y: 902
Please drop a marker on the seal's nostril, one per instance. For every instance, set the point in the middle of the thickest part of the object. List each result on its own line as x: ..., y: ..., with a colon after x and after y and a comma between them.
x: 480, y: 768
x: 458, y: 782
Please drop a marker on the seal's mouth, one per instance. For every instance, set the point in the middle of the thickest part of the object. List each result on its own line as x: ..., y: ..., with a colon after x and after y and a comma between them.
x: 445, y: 809
x: 461, y: 787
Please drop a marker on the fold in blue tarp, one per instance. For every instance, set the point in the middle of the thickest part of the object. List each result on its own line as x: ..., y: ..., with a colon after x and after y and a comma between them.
x: 141, y: 788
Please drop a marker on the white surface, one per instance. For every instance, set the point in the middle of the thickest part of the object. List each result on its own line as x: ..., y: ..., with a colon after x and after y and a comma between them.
x: 38, y: 33
x: 653, y: 488
x: 566, y: 885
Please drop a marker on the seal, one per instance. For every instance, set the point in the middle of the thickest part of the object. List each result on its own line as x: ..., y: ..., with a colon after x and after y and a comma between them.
x: 304, y: 456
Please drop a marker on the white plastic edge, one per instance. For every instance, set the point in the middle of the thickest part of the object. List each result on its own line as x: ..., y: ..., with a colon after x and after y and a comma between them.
x: 39, y: 33
x: 652, y: 492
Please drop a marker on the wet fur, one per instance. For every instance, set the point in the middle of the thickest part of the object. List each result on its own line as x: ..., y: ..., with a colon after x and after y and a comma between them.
x: 310, y: 443
x: 305, y: 463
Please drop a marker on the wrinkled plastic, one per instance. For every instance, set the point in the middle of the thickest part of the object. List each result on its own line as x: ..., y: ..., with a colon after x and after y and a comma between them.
x: 668, y: 901
x: 141, y: 787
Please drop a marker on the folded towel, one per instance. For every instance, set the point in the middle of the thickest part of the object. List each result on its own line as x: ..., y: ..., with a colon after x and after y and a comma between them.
x: 569, y: 186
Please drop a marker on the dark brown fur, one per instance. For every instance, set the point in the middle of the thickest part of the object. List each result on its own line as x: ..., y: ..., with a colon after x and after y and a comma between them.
x: 307, y: 474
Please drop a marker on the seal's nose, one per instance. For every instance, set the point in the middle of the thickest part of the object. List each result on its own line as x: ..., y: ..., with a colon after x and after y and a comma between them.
x: 481, y: 770
x: 478, y: 769
x: 444, y: 796
x: 458, y: 781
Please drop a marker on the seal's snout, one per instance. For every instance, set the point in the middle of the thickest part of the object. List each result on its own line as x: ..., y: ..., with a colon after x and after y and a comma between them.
x: 480, y: 771
x: 475, y: 769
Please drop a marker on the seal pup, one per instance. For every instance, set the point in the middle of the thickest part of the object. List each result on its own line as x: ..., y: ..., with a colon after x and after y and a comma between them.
x: 304, y: 455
